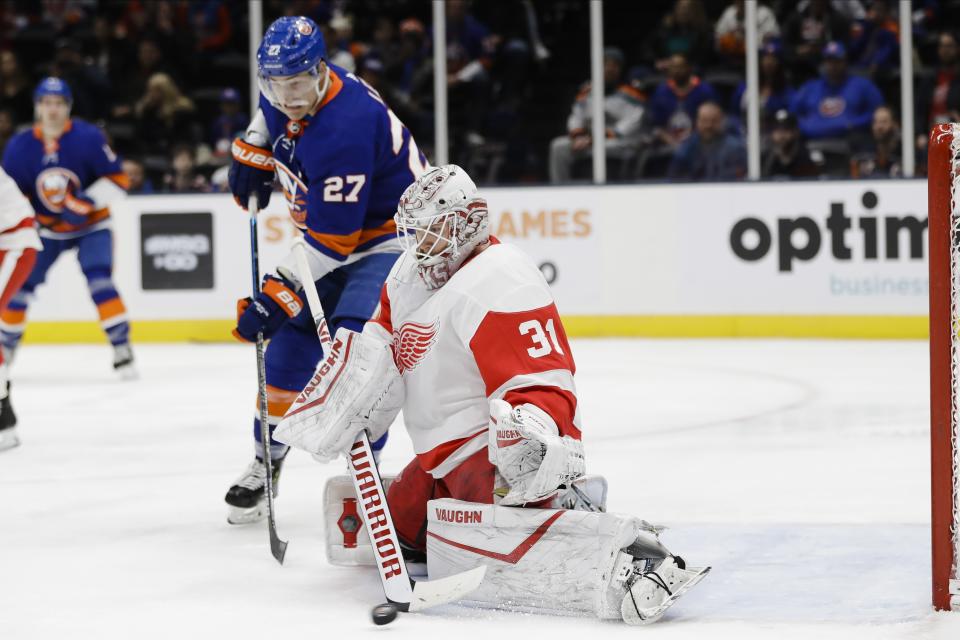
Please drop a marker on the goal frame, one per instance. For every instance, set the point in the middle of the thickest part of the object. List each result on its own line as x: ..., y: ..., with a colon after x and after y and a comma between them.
x: 943, y: 170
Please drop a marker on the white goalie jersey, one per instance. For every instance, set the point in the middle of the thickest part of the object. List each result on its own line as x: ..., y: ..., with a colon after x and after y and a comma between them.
x: 17, y: 226
x: 492, y: 331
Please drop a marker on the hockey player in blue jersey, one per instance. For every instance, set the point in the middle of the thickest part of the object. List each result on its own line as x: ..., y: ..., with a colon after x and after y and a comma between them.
x: 343, y: 160
x: 71, y: 176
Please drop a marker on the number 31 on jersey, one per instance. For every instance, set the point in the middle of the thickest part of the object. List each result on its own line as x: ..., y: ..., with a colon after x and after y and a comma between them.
x: 544, y: 338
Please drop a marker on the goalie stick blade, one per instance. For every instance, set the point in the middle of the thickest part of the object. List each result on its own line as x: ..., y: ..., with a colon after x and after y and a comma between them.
x: 430, y: 593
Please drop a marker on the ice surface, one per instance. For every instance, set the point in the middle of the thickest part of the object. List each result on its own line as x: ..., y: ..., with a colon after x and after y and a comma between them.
x: 798, y: 469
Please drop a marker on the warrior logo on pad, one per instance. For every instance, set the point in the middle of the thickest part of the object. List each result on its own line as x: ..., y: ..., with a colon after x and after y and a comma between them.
x: 411, y: 342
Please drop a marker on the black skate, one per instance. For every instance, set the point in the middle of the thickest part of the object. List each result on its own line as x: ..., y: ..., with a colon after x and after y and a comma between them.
x: 8, y: 423
x: 246, y: 498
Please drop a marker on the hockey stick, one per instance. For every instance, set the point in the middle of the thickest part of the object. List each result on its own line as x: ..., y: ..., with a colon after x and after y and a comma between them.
x: 278, y: 547
x: 400, y: 590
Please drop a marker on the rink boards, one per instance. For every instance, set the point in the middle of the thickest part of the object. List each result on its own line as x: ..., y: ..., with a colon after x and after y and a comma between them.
x: 808, y: 259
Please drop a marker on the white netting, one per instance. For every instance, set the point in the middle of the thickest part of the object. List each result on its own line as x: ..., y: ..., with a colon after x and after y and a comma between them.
x: 955, y: 337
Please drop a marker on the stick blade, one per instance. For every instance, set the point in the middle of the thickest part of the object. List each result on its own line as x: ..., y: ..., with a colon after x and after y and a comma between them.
x: 278, y: 547
x: 430, y: 593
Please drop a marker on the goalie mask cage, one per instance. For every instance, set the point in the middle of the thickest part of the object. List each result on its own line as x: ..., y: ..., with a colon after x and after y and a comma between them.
x: 943, y: 186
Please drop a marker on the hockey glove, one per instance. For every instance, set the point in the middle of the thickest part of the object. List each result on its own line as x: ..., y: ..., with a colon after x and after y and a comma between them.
x: 529, y: 453
x: 356, y: 386
x: 77, y: 207
x: 250, y: 173
x: 276, y: 302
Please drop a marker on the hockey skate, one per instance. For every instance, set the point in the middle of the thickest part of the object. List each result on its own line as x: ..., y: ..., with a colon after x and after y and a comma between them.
x: 8, y: 423
x: 246, y: 498
x: 123, y: 362
x: 653, y: 585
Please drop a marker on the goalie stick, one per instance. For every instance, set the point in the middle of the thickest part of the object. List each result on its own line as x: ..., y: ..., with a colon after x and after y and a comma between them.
x: 278, y: 547
x: 400, y: 590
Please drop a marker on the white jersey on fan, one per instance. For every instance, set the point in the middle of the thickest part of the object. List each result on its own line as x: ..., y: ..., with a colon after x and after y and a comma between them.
x: 492, y: 331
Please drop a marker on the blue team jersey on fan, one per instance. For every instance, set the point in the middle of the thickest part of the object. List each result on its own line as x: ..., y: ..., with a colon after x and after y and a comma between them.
x: 344, y: 169
x: 44, y: 172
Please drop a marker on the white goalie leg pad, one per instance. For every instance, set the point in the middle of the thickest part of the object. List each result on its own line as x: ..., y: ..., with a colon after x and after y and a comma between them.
x: 548, y: 560
x: 346, y: 536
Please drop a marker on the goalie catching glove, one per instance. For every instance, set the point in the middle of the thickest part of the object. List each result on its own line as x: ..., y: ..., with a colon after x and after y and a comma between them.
x: 355, y: 387
x: 530, y: 455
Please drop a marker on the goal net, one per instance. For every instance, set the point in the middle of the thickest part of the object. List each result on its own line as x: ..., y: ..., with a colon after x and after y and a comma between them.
x: 944, y: 234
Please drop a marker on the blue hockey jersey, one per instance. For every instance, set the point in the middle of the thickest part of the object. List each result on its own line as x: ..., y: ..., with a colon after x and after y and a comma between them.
x: 44, y: 172
x: 344, y: 168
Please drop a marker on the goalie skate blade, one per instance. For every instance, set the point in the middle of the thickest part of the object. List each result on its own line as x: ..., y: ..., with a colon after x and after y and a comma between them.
x: 430, y: 593
x: 655, y: 614
x: 239, y: 515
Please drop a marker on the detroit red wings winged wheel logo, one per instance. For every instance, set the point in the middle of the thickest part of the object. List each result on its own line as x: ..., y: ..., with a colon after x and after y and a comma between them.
x: 411, y: 342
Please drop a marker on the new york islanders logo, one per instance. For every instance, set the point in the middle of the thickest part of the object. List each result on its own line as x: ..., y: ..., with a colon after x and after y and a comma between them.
x: 289, y: 175
x: 52, y: 185
x: 411, y: 342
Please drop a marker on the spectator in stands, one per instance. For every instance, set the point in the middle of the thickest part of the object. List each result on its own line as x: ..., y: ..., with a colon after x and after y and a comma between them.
x: 623, y: 110
x: 880, y: 156
x: 16, y: 93
x: 685, y: 31
x: 336, y: 32
x: 730, y: 33
x: 184, y: 178
x: 210, y: 24
x: 775, y: 91
x: 675, y: 101
x: 938, y: 97
x: 150, y: 61
x: 836, y: 105
x: 471, y: 48
x: 789, y: 156
x: 163, y: 115
x: 90, y: 86
x: 874, y: 41
x: 7, y: 127
x: 710, y: 153
x: 410, y: 71
x: 808, y: 30
x: 231, y: 121
x: 139, y: 183
x: 385, y: 44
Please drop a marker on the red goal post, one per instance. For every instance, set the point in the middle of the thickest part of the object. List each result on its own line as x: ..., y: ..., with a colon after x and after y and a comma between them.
x: 943, y: 189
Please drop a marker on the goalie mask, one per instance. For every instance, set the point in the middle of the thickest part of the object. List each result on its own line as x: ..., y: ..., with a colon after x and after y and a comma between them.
x: 441, y: 219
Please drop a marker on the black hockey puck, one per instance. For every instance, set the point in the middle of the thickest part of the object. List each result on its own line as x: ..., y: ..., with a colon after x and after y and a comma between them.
x: 384, y: 613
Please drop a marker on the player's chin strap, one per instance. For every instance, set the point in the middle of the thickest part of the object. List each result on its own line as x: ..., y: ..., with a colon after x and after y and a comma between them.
x: 372, y: 500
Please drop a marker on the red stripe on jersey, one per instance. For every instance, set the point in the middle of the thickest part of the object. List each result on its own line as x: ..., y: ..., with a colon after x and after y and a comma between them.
x: 432, y: 459
x: 510, y: 344
x: 26, y: 223
x: 19, y: 274
x: 382, y: 314
x: 559, y: 403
